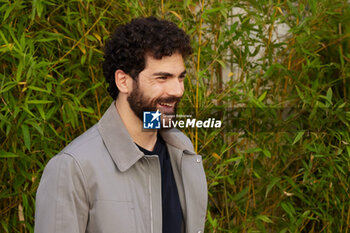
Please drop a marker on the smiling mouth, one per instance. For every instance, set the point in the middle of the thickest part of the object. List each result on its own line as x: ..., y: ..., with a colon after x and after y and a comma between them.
x: 167, y: 105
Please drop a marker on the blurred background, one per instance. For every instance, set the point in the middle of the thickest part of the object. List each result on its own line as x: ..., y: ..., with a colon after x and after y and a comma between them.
x: 276, y: 72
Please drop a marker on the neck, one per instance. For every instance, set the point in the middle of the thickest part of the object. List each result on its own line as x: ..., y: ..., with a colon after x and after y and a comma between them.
x: 144, y: 138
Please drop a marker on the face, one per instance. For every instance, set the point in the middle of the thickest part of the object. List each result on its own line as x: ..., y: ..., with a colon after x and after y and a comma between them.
x: 159, y: 86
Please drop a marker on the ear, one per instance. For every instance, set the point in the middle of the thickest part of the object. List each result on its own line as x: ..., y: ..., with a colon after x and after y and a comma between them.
x: 123, y: 81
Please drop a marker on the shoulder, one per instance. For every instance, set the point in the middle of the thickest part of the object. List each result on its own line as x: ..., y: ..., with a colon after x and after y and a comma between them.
x: 83, y: 151
x: 85, y: 156
x: 86, y: 142
x: 76, y: 150
x: 88, y: 148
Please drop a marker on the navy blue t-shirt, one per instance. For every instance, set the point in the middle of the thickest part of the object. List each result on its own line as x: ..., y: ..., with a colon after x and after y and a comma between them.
x: 172, y: 214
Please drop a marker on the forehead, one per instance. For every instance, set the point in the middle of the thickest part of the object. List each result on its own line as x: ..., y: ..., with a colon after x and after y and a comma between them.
x: 173, y: 64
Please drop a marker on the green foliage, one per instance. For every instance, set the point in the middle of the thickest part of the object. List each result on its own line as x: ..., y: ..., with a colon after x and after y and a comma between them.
x: 281, y: 163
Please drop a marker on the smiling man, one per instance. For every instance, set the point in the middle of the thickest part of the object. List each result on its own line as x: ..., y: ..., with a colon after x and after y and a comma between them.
x: 118, y: 177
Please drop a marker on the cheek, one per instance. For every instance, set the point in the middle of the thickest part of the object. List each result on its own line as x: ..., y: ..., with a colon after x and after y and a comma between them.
x: 153, y: 93
x: 157, y: 90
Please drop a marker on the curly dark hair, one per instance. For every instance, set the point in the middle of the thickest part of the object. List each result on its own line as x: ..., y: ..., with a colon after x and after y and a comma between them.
x: 127, y: 47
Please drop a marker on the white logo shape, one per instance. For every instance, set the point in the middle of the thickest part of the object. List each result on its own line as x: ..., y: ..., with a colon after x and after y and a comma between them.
x: 155, y: 115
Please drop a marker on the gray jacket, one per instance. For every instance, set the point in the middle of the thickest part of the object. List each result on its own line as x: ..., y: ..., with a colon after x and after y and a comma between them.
x: 102, y: 183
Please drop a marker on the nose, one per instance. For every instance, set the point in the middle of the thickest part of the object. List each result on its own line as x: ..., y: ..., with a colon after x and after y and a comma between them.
x: 175, y: 87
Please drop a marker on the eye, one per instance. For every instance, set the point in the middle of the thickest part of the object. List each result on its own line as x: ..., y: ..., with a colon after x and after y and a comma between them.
x: 182, y: 77
x: 162, y: 77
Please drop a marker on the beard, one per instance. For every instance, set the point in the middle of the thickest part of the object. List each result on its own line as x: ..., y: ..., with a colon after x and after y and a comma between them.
x: 139, y: 103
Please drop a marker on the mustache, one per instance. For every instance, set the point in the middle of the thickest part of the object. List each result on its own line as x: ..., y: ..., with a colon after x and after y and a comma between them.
x: 168, y: 99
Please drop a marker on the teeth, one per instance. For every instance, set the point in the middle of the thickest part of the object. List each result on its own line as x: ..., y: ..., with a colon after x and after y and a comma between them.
x: 166, y: 104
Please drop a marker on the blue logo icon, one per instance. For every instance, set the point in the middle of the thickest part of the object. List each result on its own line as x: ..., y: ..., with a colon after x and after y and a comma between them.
x: 151, y: 120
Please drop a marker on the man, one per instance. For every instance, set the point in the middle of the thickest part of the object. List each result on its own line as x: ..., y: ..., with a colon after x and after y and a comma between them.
x: 118, y: 177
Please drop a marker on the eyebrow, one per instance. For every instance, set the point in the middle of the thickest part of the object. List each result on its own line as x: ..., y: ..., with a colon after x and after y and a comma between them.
x: 168, y: 74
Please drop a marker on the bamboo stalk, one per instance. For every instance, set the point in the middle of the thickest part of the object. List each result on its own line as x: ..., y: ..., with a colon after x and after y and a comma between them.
x: 197, y: 78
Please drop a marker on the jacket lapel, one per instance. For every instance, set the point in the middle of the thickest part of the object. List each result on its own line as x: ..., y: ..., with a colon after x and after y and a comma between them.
x: 120, y: 145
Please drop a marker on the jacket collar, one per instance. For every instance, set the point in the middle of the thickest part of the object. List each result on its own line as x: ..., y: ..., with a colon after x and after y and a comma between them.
x: 176, y: 138
x: 122, y: 148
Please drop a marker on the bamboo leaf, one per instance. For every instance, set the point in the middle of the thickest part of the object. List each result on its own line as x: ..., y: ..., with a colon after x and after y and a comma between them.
x: 262, y: 97
x: 38, y: 89
x: 5, y: 154
x: 273, y: 182
x: 8, y: 11
x: 264, y: 218
x: 298, y: 137
x: 241, y: 194
x: 39, y: 101
x: 26, y: 135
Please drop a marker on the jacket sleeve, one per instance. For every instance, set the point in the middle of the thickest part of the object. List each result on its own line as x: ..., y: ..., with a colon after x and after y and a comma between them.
x: 61, y: 201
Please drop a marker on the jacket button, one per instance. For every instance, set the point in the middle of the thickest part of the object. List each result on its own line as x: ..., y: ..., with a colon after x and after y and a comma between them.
x: 198, y: 161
